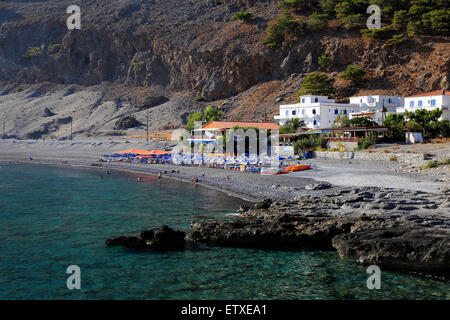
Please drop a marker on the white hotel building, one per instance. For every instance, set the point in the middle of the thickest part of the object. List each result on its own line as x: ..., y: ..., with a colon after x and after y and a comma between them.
x: 439, y: 99
x: 319, y: 112
x: 315, y: 111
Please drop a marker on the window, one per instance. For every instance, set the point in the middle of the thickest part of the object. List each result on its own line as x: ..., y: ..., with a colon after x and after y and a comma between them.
x: 389, y: 100
x: 294, y: 112
x: 315, y: 100
x: 315, y: 122
x: 433, y: 102
x: 370, y: 100
x: 314, y: 111
x: 303, y: 100
x: 287, y: 112
x: 419, y: 103
x: 345, y: 111
x: 336, y: 111
x: 411, y: 103
x: 303, y: 111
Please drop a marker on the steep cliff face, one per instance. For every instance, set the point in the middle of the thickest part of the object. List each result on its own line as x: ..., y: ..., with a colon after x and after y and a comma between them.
x: 196, y: 46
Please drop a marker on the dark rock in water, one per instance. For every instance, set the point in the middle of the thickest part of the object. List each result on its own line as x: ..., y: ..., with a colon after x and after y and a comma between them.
x: 389, y: 228
x: 281, y: 231
x: 319, y: 186
x: 129, y: 242
x: 163, y: 238
x: 147, y: 235
x: 404, y: 248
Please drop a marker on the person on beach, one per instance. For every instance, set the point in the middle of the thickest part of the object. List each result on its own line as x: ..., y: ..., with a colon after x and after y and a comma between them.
x: 139, y: 178
x: 159, y: 175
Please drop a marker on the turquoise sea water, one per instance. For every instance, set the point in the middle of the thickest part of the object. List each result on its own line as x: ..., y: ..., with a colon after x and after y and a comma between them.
x: 53, y: 217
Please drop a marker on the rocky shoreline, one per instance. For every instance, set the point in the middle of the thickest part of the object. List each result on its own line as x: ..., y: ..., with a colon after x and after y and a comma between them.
x: 397, y: 230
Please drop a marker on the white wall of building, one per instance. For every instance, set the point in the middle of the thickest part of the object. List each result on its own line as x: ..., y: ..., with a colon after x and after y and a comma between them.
x: 429, y: 103
x: 376, y: 102
x: 321, y: 112
x: 315, y: 111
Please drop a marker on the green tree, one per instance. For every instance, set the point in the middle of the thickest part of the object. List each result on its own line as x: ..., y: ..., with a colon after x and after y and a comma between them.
x: 243, y: 15
x: 54, y: 48
x: 325, y: 61
x: 328, y: 6
x: 400, y: 20
x: 395, y: 40
x: 354, y: 73
x: 362, y: 122
x: 317, y: 21
x: 32, y: 52
x: 296, y: 4
x: 292, y: 126
x: 423, y: 120
x: 209, y: 114
x: 396, y: 124
x: 317, y: 83
x: 351, y: 21
x: 437, y: 22
x: 285, y: 25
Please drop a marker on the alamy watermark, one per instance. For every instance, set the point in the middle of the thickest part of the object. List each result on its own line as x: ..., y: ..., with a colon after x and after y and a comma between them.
x: 74, y: 280
x: 74, y: 20
x: 374, y: 280
x: 374, y: 21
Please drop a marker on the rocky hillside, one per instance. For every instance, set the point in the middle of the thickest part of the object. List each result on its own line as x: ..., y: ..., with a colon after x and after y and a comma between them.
x: 138, y: 55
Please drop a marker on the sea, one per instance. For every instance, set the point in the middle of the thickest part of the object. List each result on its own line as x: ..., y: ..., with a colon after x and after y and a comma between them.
x: 54, y: 217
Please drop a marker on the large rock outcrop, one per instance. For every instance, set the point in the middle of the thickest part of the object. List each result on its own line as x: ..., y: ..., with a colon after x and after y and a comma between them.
x: 402, y: 230
x: 161, y: 239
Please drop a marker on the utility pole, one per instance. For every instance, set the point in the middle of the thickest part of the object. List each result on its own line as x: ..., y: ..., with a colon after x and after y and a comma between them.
x: 147, y: 128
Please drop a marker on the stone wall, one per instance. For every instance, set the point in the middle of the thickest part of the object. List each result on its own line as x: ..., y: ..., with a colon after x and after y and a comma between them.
x: 348, y: 145
x: 412, y: 158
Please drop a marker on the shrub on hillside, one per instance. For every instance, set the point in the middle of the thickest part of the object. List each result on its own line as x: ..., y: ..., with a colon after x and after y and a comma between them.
x: 317, y: 83
x: 382, y: 33
x: 400, y: 20
x: 354, y: 73
x: 243, y: 15
x: 395, y: 40
x: 296, y: 4
x: 324, y: 61
x: 437, y: 22
x: 285, y: 25
x: 54, y: 48
x: 317, y: 21
x: 32, y: 52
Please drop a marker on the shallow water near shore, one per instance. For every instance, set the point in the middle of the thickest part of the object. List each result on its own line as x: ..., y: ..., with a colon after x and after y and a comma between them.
x: 53, y: 217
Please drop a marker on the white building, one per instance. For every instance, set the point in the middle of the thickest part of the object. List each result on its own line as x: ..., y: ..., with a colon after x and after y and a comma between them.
x: 431, y: 100
x: 376, y: 103
x: 315, y: 111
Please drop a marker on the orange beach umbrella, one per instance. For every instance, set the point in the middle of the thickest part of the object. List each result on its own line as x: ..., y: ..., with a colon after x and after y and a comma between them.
x: 144, y: 152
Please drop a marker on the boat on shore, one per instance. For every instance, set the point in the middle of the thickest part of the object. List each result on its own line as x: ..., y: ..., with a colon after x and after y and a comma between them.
x: 272, y: 171
x: 298, y: 167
